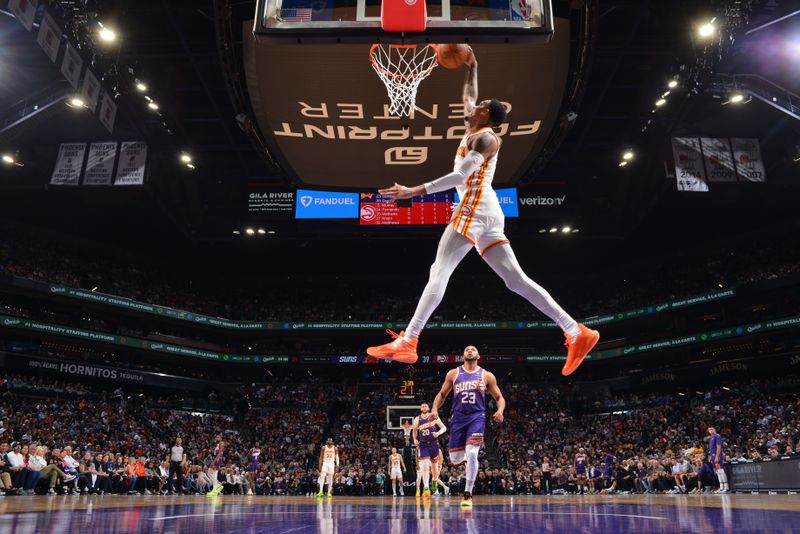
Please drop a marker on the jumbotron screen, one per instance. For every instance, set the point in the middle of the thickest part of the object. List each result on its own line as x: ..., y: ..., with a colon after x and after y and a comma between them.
x: 425, y: 209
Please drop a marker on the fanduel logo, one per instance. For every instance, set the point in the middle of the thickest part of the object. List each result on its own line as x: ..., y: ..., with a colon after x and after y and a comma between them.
x: 542, y: 201
x: 306, y: 201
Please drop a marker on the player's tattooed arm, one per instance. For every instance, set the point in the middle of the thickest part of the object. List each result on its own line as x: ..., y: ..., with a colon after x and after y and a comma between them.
x: 485, y: 144
x: 470, y: 91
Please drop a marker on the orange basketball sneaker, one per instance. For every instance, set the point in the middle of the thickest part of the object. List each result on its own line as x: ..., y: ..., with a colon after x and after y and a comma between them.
x: 398, y: 350
x: 578, y: 348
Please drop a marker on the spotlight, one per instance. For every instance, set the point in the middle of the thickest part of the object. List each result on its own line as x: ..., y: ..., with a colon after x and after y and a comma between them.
x: 665, y: 94
x: 543, y: 231
x: 141, y: 87
x: 627, y: 155
x: 737, y: 98
x: 271, y: 232
x: 623, y: 163
x: 553, y: 230
x: 660, y: 102
x: 186, y: 158
x: 708, y: 29
x: 726, y: 388
x: 8, y: 159
x: 261, y: 231
x: 191, y: 166
x: 236, y: 232
x: 566, y: 230
x: 250, y: 231
x: 153, y: 106
x: 575, y: 230
x: 107, y: 35
x: 76, y: 102
x: 673, y: 84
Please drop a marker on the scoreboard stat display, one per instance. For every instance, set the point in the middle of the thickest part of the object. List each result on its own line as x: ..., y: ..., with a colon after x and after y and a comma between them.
x: 425, y: 209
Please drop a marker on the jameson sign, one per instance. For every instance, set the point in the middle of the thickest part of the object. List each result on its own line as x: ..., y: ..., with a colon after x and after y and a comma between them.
x: 129, y: 304
x: 134, y: 343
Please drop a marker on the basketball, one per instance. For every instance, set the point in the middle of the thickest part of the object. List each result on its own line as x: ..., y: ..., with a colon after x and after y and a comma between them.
x: 452, y: 56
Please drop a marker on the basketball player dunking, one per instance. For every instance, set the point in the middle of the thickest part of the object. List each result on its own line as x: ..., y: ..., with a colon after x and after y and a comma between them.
x: 427, y: 429
x: 396, y: 469
x: 328, y: 462
x: 216, y: 465
x: 477, y: 222
x: 469, y: 384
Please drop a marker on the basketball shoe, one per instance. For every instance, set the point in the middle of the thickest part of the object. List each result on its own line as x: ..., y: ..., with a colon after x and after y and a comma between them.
x: 578, y: 348
x: 466, y: 500
x: 399, y: 350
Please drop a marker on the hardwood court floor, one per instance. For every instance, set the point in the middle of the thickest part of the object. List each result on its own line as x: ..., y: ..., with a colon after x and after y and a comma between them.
x: 386, y: 515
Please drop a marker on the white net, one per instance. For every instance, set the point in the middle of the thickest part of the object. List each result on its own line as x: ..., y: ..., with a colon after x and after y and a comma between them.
x: 402, y: 68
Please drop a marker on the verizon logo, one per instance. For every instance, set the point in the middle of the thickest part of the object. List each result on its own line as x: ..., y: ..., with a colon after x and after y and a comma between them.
x: 542, y: 201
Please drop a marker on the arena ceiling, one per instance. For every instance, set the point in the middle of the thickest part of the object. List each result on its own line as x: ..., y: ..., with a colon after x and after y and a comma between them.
x: 638, y: 47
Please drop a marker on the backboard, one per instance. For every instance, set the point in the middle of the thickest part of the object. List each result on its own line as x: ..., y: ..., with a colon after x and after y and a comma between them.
x: 447, y: 21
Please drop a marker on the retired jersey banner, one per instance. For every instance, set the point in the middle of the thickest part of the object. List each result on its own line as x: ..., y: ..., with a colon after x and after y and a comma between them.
x: 49, y: 37
x: 108, y: 112
x: 69, y: 164
x: 718, y: 159
x: 689, y: 170
x: 24, y: 10
x: 747, y: 155
x: 71, y: 65
x: 90, y: 91
x: 100, y: 163
x: 132, y: 162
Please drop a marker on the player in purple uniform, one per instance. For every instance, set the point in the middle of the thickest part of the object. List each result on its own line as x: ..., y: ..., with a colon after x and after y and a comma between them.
x: 252, y: 467
x: 426, y: 431
x: 580, y: 471
x: 216, y: 465
x: 716, y: 457
x: 468, y: 418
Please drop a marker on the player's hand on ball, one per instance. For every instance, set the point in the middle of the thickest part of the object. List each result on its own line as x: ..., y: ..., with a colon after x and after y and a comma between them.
x: 498, y: 417
x: 396, y: 192
x: 470, y: 61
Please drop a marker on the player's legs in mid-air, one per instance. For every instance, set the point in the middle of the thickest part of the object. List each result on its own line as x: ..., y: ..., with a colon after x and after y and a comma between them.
x: 497, y: 252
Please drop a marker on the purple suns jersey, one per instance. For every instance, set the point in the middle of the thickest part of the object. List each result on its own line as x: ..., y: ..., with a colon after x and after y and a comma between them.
x: 716, y: 439
x: 580, y: 463
x: 469, y: 394
x: 254, y: 459
x: 218, y: 463
x: 426, y: 427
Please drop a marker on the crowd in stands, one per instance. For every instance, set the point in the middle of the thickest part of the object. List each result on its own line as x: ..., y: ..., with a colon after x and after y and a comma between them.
x: 326, y: 298
x: 58, y: 437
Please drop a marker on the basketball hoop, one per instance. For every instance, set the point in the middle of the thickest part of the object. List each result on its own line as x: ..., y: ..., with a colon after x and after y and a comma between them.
x: 402, y: 68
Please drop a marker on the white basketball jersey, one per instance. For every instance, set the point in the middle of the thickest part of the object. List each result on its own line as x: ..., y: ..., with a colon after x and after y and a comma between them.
x: 476, y: 193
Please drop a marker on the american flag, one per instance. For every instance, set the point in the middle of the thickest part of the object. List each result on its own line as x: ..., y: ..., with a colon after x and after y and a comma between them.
x: 302, y: 14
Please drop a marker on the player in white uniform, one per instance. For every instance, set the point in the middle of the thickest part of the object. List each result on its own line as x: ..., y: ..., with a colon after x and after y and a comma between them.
x: 477, y: 222
x: 328, y: 462
x: 396, y: 469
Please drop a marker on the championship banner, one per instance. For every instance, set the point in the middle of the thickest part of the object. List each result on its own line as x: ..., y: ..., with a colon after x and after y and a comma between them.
x: 689, y: 169
x: 71, y: 65
x: 132, y: 162
x: 24, y: 10
x: 49, y: 37
x: 718, y: 159
x: 69, y: 164
x: 747, y: 155
x: 100, y: 163
x: 108, y: 112
x: 90, y: 91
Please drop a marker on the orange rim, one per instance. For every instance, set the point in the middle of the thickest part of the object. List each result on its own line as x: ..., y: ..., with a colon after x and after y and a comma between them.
x: 395, y: 75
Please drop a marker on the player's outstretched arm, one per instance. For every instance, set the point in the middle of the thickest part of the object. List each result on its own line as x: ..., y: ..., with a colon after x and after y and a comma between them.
x: 494, y: 390
x: 447, y: 386
x: 470, y: 91
x: 414, y: 430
